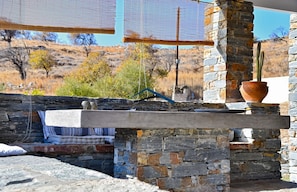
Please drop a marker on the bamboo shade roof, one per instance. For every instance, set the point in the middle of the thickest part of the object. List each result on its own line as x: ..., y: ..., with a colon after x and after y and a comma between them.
x: 74, y: 16
x: 169, y: 22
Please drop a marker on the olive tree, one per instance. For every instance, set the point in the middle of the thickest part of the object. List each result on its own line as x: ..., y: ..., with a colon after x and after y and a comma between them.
x: 42, y: 59
x: 83, y: 39
x: 19, y: 57
x: 146, y: 54
x: 46, y: 36
x: 7, y: 35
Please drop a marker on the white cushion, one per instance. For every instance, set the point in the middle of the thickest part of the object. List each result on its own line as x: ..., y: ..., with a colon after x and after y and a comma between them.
x: 7, y: 150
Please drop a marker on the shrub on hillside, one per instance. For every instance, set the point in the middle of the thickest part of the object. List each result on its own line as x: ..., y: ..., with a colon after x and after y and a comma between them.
x: 80, y: 82
x: 2, y: 86
x: 72, y: 87
x: 92, y: 69
x: 130, y: 78
x: 93, y: 78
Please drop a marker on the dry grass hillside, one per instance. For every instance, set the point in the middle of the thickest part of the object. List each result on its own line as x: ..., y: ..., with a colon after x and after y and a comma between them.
x: 69, y: 57
x: 276, y: 57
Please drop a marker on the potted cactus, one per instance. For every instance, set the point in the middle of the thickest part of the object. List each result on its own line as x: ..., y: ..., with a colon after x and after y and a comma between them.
x: 255, y: 91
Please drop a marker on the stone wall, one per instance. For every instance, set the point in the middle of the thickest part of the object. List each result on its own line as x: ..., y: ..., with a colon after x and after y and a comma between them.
x: 175, y: 159
x: 229, y: 24
x: 95, y: 157
x: 293, y: 98
x: 256, y: 153
x: 19, y: 120
x: 258, y: 159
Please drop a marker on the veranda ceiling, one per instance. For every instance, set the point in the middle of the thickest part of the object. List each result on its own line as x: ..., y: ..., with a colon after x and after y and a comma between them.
x: 281, y: 5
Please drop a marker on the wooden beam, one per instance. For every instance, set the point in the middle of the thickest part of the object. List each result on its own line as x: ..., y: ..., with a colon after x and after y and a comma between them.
x: 162, y: 119
x: 166, y: 42
x: 13, y: 26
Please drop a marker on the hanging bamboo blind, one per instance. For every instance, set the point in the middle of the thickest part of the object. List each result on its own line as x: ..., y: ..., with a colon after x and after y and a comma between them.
x: 169, y: 22
x: 74, y: 16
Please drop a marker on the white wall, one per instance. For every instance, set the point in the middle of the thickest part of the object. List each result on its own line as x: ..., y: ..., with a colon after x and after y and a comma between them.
x: 278, y: 89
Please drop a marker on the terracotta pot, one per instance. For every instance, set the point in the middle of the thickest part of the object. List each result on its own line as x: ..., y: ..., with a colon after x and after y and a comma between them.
x: 253, y: 91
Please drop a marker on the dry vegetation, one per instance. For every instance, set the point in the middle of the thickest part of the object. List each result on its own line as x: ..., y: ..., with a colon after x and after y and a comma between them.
x: 68, y: 57
x: 276, y: 57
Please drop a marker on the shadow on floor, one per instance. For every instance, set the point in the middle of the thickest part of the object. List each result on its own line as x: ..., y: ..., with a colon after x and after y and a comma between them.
x: 264, y: 185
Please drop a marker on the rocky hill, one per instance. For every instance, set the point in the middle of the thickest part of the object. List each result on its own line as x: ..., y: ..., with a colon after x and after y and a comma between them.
x: 68, y: 57
x: 276, y: 57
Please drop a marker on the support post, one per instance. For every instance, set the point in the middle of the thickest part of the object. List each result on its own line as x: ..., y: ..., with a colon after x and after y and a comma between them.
x: 229, y: 24
x: 293, y: 98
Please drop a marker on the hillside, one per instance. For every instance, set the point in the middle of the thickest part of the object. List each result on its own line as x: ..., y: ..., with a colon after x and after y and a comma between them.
x: 69, y: 57
x: 276, y: 57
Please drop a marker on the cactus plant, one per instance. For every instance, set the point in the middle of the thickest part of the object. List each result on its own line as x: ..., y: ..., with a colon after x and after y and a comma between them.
x: 255, y: 91
x: 259, y: 62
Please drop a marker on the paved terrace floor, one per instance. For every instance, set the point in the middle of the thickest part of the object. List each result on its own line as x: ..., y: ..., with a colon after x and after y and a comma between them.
x: 31, y: 173
x: 264, y: 186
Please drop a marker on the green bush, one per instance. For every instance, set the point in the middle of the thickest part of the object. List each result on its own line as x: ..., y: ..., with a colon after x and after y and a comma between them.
x: 35, y: 92
x: 93, y: 78
x: 131, y: 78
x: 72, y: 87
x: 2, y: 87
x: 105, y: 87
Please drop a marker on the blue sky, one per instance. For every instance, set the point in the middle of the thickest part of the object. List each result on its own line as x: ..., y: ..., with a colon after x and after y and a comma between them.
x: 266, y: 22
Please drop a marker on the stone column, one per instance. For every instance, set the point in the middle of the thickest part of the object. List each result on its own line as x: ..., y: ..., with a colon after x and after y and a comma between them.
x: 229, y: 24
x: 293, y: 98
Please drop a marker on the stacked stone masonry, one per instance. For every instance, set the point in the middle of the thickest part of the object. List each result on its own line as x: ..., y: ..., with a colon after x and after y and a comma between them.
x: 257, y: 155
x: 175, y: 159
x: 259, y: 159
x: 95, y: 157
x: 293, y: 97
x: 229, y: 24
x: 19, y: 120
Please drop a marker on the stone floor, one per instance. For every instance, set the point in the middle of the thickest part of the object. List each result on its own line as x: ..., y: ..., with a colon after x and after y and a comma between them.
x: 41, y: 174
x: 31, y: 173
x: 264, y: 186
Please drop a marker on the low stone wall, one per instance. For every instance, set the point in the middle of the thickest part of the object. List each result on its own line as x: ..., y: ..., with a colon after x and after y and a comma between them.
x: 19, y: 120
x: 255, y: 153
x: 258, y: 159
x: 95, y: 157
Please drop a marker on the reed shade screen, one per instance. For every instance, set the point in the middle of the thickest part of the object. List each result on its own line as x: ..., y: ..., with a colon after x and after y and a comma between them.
x: 169, y: 22
x: 74, y: 16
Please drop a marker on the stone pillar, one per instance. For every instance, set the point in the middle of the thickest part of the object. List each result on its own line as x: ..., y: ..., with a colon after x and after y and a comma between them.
x: 175, y: 159
x: 293, y: 98
x: 229, y: 24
